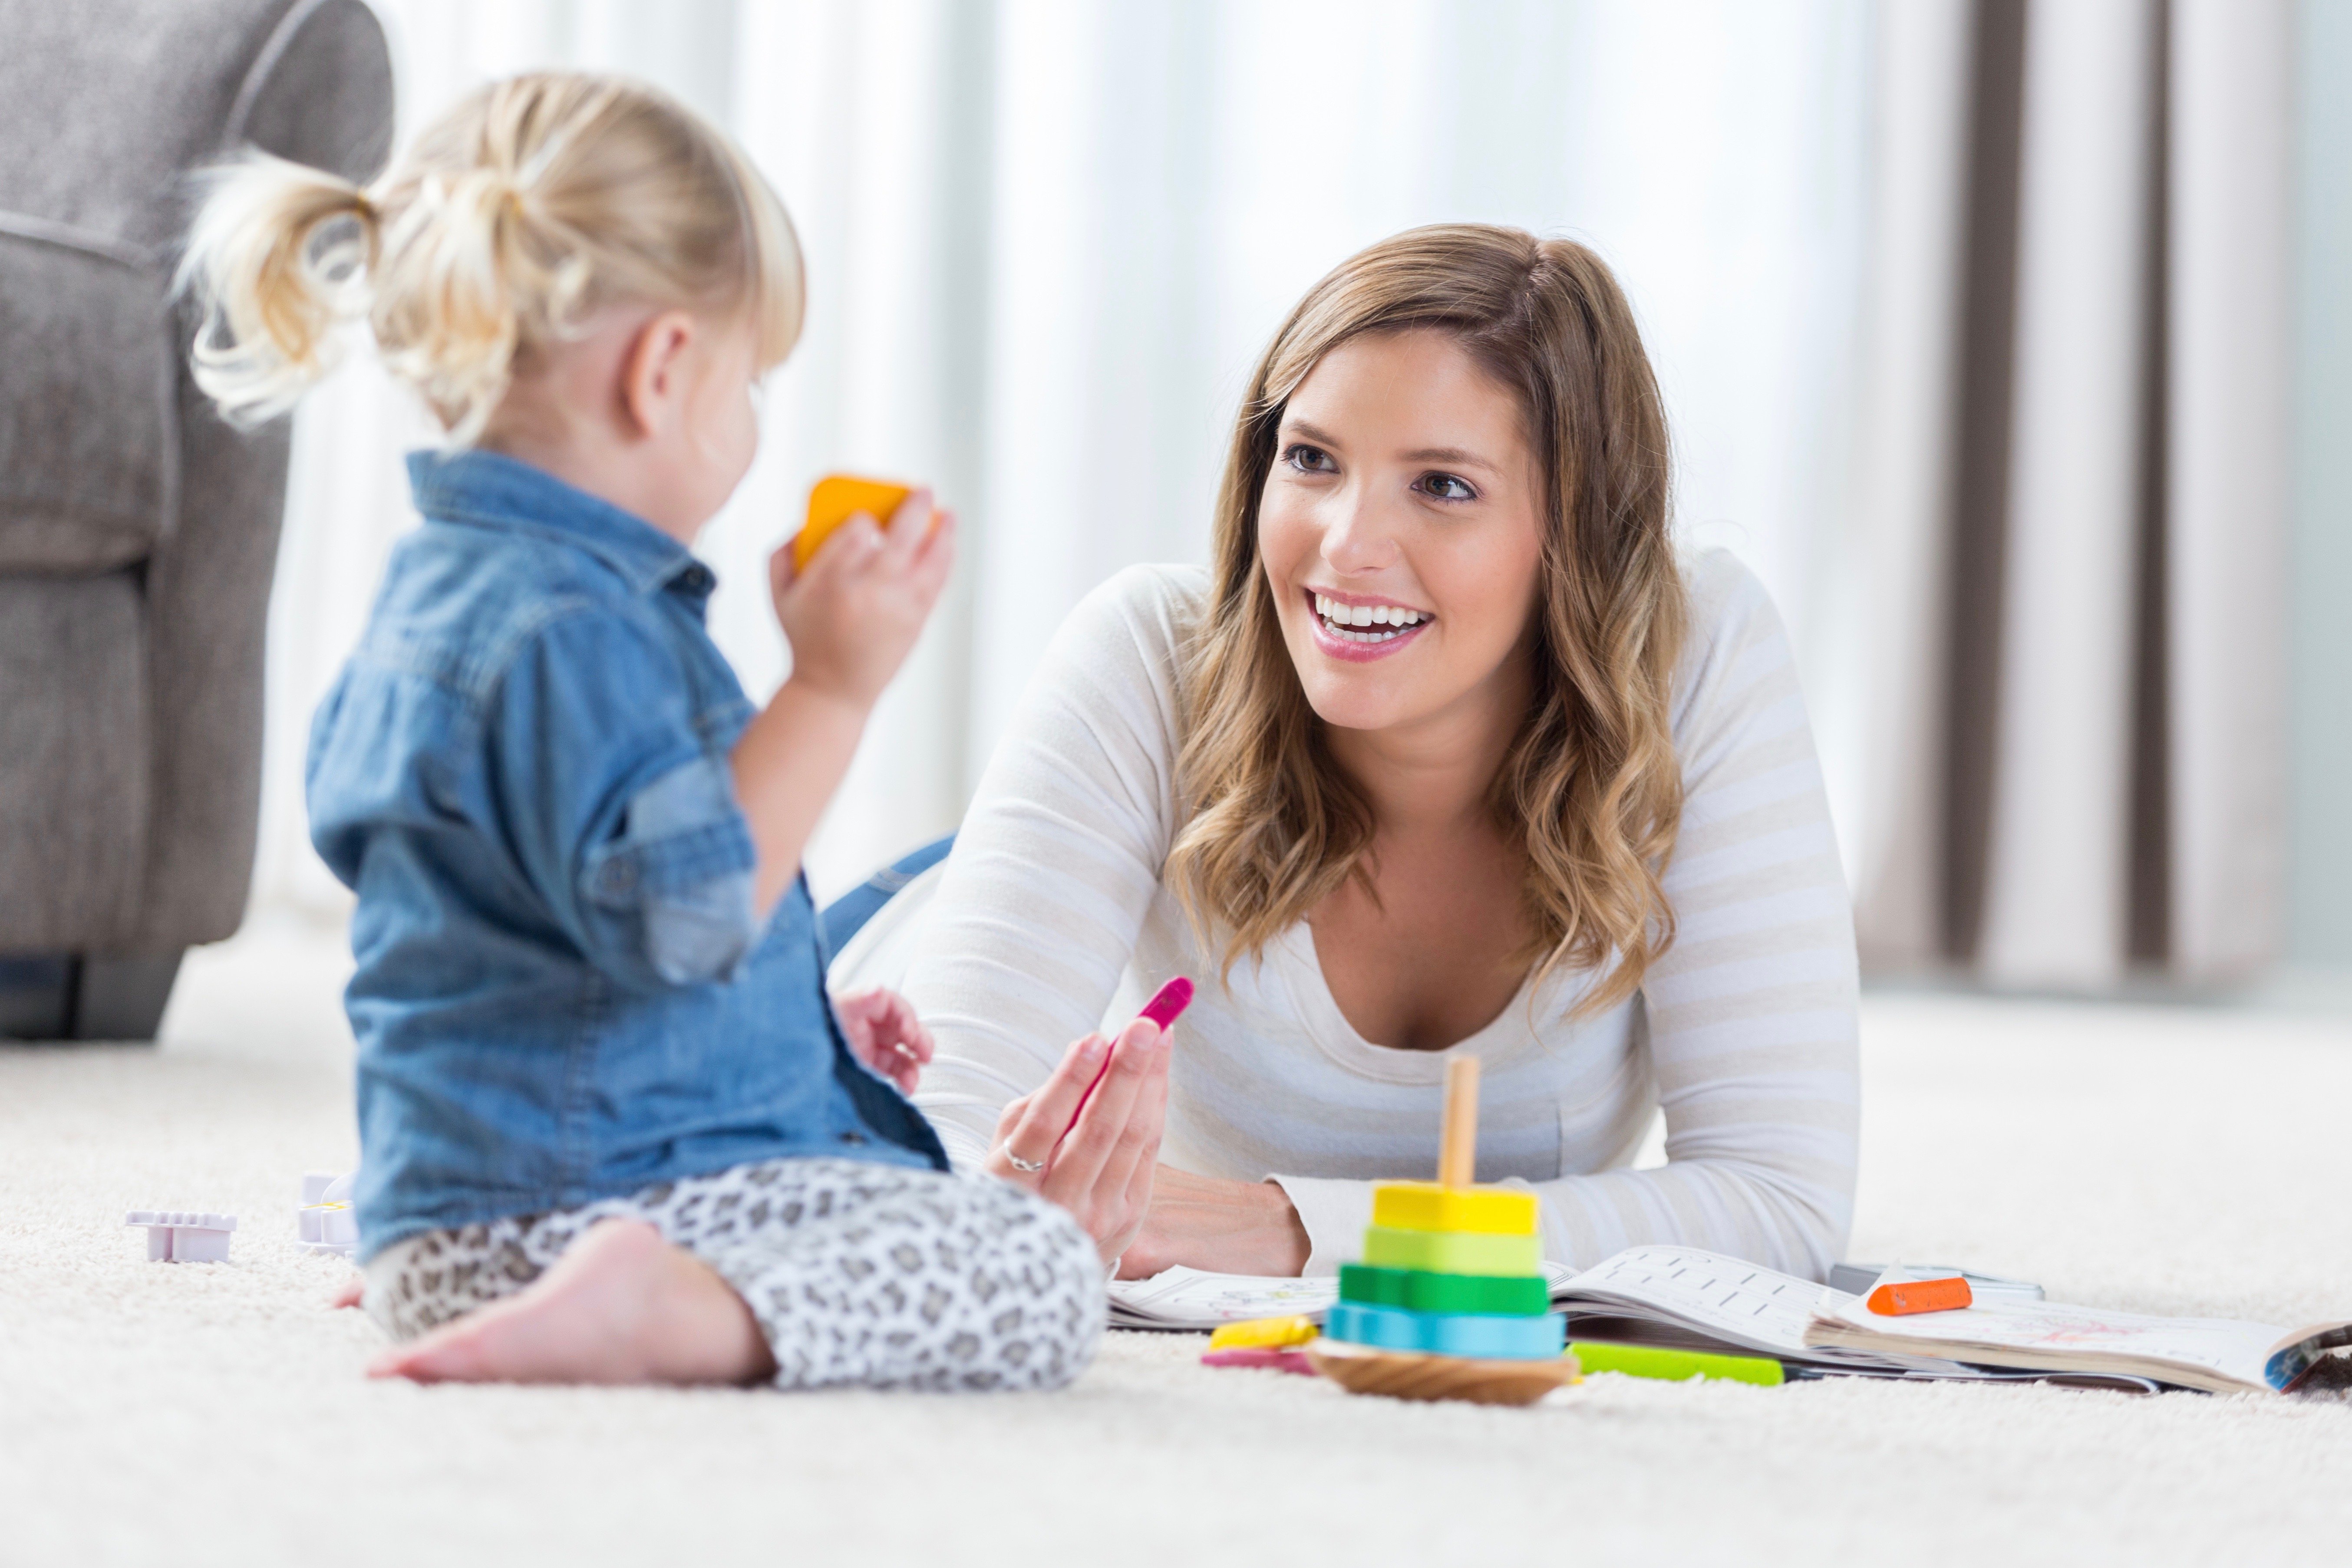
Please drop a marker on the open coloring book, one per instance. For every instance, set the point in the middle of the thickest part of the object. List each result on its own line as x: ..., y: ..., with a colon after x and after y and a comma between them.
x: 1682, y: 1296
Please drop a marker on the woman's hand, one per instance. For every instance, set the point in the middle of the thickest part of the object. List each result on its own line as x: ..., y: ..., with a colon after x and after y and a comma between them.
x: 884, y: 1034
x: 1224, y: 1227
x: 1089, y: 1137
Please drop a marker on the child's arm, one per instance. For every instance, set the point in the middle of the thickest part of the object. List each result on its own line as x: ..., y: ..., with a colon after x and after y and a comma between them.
x: 851, y: 618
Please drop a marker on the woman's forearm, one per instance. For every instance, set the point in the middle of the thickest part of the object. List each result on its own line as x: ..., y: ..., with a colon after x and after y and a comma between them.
x: 1222, y: 1227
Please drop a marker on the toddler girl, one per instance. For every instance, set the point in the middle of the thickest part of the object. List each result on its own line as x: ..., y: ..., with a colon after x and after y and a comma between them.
x: 610, y: 1128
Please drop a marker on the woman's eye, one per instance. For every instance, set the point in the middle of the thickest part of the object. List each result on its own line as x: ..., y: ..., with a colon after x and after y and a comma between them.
x: 1309, y: 459
x: 1448, y: 487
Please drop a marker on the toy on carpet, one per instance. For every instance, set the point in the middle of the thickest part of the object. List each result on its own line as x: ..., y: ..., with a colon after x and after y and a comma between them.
x: 1449, y: 1301
x: 326, y: 1222
x: 1270, y: 1343
x: 183, y: 1236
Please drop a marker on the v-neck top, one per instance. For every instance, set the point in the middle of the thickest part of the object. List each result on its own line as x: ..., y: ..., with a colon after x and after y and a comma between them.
x: 1050, y: 918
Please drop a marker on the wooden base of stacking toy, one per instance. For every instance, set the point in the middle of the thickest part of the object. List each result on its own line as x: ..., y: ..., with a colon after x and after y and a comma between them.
x: 1410, y: 1374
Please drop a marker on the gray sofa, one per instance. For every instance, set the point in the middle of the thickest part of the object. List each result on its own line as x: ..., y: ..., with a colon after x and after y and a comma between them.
x: 138, y: 533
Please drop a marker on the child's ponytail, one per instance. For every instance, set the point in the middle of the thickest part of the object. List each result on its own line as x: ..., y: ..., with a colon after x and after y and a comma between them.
x: 274, y: 261
x: 532, y: 204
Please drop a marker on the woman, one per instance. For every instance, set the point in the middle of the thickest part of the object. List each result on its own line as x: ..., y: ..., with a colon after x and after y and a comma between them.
x: 1447, y: 754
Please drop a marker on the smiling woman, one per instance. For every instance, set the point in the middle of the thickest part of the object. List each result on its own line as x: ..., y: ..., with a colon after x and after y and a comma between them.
x: 1449, y: 754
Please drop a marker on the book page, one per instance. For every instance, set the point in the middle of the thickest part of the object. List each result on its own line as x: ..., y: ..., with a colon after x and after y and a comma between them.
x: 1182, y: 1297
x: 1191, y: 1298
x: 2236, y: 1350
x: 1720, y: 1296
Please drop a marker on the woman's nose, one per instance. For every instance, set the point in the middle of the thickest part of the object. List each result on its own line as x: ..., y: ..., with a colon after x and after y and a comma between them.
x: 1356, y: 539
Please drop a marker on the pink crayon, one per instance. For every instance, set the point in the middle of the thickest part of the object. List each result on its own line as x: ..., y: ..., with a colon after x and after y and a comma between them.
x: 1169, y: 1002
x: 1166, y: 1004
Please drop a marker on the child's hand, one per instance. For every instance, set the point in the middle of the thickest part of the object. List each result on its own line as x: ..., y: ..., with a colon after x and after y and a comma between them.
x: 854, y: 614
x: 886, y: 1035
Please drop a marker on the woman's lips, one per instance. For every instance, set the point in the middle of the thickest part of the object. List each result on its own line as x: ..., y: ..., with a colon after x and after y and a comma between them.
x: 1356, y: 653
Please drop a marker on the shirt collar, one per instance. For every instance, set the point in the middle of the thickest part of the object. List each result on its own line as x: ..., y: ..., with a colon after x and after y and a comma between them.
x: 491, y: 490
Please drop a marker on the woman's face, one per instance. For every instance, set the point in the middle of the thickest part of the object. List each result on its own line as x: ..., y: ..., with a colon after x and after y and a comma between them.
x: 1401, y: 530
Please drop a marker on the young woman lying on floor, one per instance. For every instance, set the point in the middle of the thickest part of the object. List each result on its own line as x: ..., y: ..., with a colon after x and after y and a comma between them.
x: 1447, y: 753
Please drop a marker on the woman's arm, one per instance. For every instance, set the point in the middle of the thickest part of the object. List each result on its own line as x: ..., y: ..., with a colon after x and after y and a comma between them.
x: 1751, y: 1013
x: 1056, y: 862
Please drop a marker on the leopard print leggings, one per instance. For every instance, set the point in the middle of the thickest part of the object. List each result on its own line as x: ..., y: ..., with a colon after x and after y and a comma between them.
x: 857, y: 1273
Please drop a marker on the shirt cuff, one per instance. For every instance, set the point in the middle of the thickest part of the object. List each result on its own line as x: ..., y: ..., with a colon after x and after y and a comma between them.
x: 1335, y: 1213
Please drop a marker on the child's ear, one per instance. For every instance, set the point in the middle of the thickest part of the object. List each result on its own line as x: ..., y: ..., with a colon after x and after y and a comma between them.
x: 652, y: 372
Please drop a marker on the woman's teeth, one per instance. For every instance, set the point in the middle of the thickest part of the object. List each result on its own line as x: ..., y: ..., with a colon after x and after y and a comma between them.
x: 1343, y: 621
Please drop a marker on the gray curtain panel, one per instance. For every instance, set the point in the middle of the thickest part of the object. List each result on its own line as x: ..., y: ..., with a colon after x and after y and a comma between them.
x: 2078, y: 767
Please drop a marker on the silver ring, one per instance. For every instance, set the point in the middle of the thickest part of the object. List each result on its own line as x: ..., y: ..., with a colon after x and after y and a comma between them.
x: 1030, y: 1166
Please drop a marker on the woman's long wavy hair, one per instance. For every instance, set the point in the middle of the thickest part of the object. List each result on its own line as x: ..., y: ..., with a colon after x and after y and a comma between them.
x: 1591, y: 785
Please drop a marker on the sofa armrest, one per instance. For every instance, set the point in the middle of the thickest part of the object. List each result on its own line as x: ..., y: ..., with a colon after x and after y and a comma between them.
x: 320, y: 92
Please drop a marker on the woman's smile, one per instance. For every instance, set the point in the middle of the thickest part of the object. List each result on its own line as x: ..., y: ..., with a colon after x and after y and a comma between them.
x: 1357, y: 627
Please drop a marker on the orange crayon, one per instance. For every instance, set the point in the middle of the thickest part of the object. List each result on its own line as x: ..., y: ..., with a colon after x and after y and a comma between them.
x: 1910, y: 1296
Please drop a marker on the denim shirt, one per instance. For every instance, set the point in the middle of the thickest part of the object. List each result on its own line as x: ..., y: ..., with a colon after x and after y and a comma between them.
x: 561, y: 991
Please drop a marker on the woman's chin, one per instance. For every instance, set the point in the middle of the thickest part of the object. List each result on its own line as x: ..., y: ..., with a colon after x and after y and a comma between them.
x: 1360, y: 701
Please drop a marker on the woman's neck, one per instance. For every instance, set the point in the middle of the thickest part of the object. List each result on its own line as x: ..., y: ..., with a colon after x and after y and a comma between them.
x: 1437, y: 773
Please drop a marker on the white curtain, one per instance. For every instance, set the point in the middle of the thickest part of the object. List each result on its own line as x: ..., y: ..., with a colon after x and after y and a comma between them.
x: 1047, y: 240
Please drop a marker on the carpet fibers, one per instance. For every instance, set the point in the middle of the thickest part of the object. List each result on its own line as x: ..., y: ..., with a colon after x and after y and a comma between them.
x: 2166, y: 1160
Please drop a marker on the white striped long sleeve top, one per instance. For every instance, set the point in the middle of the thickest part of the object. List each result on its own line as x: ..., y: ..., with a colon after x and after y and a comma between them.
x: 1050, y: 919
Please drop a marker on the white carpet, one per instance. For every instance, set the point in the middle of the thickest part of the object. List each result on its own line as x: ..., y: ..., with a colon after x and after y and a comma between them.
x: 2169, y: 1160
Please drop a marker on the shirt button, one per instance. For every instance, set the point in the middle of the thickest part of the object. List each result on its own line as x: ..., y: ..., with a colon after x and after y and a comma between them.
x: 855, y: 1140
x: 617, y: 876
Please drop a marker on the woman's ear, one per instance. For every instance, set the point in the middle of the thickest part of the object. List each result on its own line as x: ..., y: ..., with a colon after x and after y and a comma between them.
x: 653, y: 373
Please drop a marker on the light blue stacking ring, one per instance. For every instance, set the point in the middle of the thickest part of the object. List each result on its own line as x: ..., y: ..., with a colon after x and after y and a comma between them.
x: 1449, y: 1333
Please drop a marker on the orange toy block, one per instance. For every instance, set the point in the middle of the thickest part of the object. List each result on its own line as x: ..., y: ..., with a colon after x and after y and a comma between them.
x: 836, y: 498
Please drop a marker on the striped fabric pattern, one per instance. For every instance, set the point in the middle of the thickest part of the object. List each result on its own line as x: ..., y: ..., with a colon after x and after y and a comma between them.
x: 1050, y: 920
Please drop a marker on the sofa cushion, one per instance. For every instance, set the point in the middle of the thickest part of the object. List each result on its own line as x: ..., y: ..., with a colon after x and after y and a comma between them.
x: 75, y: 785
x: 89, y: 446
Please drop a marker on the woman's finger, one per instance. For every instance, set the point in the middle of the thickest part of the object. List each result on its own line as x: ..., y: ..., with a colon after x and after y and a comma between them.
x: 1123, y: 1193
x: 1078, y: 1165
x: 1047, y: 1116
x: 1008, y: 1119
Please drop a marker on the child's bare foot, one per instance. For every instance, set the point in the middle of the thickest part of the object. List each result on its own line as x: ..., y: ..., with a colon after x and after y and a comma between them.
x: 351, y: 1292
x: 622, y: 1306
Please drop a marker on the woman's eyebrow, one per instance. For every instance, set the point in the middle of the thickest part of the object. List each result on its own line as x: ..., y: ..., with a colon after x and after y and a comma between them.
x: 1453, y: 454
x: 1301, y: 430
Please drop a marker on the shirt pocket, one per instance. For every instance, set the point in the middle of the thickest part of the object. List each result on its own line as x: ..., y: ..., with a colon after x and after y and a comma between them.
x: 674, y: 889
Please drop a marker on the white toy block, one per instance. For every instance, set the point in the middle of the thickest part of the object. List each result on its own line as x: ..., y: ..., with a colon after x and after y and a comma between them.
x: 183, y: 1236
x: 326, y: 1222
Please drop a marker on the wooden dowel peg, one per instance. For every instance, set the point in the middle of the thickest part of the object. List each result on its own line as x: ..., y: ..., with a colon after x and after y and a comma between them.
x: 1457, y: 1145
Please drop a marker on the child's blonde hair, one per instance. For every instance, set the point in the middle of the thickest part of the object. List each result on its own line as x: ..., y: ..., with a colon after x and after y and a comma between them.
x: 531, y: 204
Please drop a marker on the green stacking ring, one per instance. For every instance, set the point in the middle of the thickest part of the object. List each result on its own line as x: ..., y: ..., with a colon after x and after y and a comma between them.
x: 1452, y: 1251
x: 1416, y: 1291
